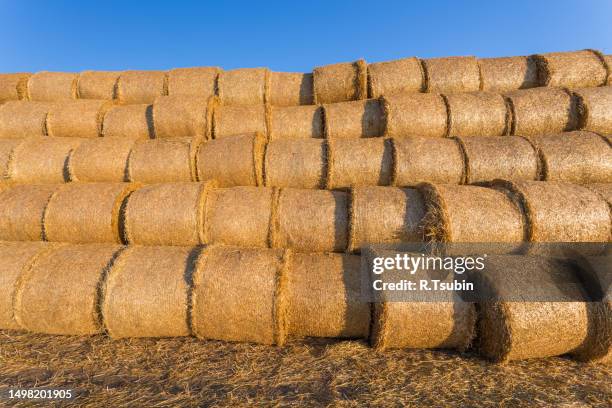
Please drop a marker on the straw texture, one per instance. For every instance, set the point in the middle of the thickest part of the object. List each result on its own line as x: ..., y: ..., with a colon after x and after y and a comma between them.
x: 237, y: 120
x: 23, y: 119
x: 291, y: 89
x: 420, y: 159
x: 243, y: 87
x: 97, y: 84
x: 238, y: 295
x: 85, y: 213
x: 395, y: 77
x: 452, y: 74
x: 385, y: 215
x: 79, y: 118
x: 324, y: 297
x: 477, y: 114
x: 22, y: 208
x: 296, y: 163
x: 571, y: 69
x: 603, y: 189
x: 42, y: 160
x: 296, y: 122
x: 13, y: 86
x: 147, y: 292
x: 341, y: 82
x: 595, y: 105
x: 100, y: 160
x: 415, y: 115
x: 129, y: 122
x: 365, y: 162
x: 200, y: 81
x: 140, y: 86
x: 52, y: 86
x: 6, y: 154
x: 508, y: 73
x: 354, y: 119
x: 162, y: 160
x: 181, y: 116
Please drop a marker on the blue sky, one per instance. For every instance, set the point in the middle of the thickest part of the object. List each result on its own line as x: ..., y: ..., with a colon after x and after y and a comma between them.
x: 289, y: 35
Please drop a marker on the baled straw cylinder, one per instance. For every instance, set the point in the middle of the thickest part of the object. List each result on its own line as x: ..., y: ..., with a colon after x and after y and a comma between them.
x: 48, y: 86
x: 562, y: 212
x: 42, y: 160
x: 239, y: 216
x: 16, y: 257
x: 243, y: 87
x: 346, y: 81
x: 200, y: 81
x: 138, y: 87
x: 575, y: 157
x: 146, y: 293
x: 296, y: 163
x: 311, y: 220
x: 291, y: 89
x: 162, y: 160
x: 79, y: 118
x: 100, y: 160
x: 354, y: 119
x: 13, y: 86
x: 233, y: 161
x: 239, y: 295
x: 296, y: 122
x: 394, y: 77
x: 182, y: 116
x: 20, y: 119
x: 385, y: 215
x: 542, y: 110
x: 165, y: 214
x: 608, y: 61
x: 452, y: 74
x: 471, y: 214
x: 23, y: 208
x: 86, y: 213
x: 97, y: 84
x: 595, y: 105
x: 415, y: 115
x: 575, y: 69
x: 477, y: 114
x: 323, y: 296
x: 59, y: 293
x: 508, y: 158
x: 421, y: 159
x: 364, y: 162
x: 512, y: 329
x: 129, y: 122
x: 237, y: 120
x: 6, y: 151
x: 603, y: 189
x: 508, y: 73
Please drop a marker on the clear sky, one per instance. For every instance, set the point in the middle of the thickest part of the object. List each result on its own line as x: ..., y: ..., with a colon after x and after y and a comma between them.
x: 286, y: 35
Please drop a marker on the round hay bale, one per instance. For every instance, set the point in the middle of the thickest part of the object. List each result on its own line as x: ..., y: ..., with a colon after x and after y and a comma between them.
x: 354, y: 119
x: 452, y: 74
x: 97, y: 84
x: 561, y: 212
x: 86, y: 213
x: 13, y: 86
x: 199, y: 81
x: 244, y: 86
x: 608, y: 61
x: 296, y: 163
x: 477, y: 114
x: 182, y: 116
x: 138, y: 87
x: 471, y: 214
x: 234, y: 161
x: 511, y: 329
x: 6, y: 154
x: 542, y: 110
x: 385, y: 215
x: 162, y: 160
x: 324, y: 296
x: 508, y: 73
x: 100, y: 160
x: 311, y: 220
x: 16, y: 258
x: 508, y: 158
x: 394, y: 77
x: 129, y: 122
x: 48, y: 86
x: 166, y: 214
x: 365, y: 162
x: 42, y: 160
x: 238, y: 120
x: 79, y: 118
x: 20, y: 119
x: 239, y: 216
x: 291, y: 89
x: 59, y: 293
x: 603, y: 189
x: 147, y: 291
x: 346, y: 81
x: 575, y: 157
x: 296, y: 122
x: 595, y: 105
x: 421, y: 159
x: 23, y: 208
x: 415, y: 115
x: 239, y: 295
x: 575, y: 69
